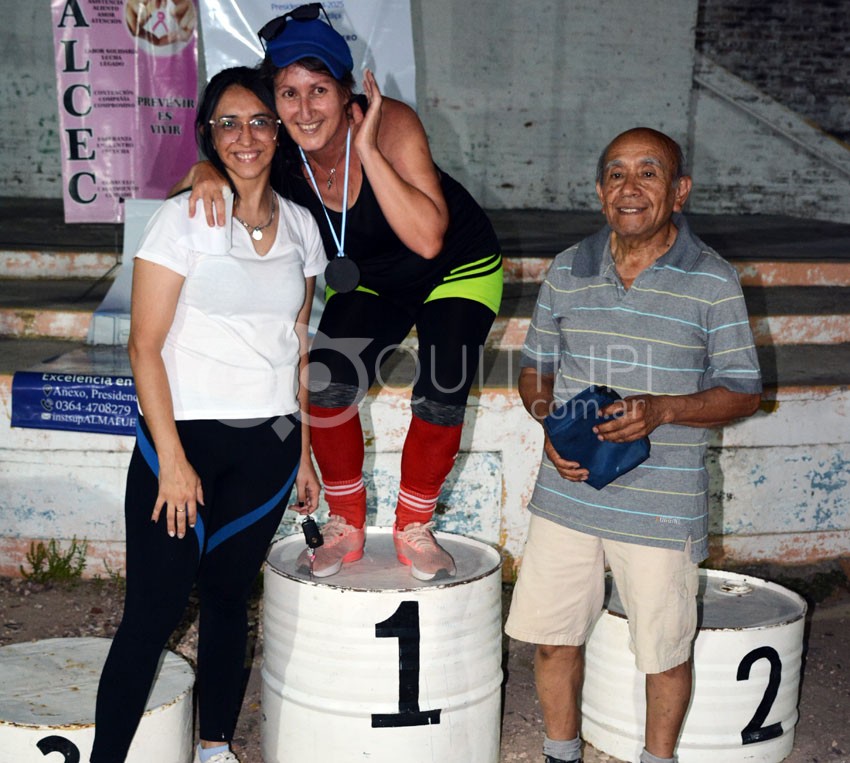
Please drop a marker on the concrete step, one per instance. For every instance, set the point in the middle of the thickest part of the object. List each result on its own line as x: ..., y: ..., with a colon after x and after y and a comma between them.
x: 39, y: 225
x: 796, y: 272
x: 762, y: 238
x: 22, y: 354
x: 784, y: 367
x: 57, y: 309
x: 526, y: 269
x: 778, y: 486
x: 787, y: 367
x: 28, y: 264
x: 768, y: 250
x: 778, y: 315
x: 62, y: 309
x: 54, y: 263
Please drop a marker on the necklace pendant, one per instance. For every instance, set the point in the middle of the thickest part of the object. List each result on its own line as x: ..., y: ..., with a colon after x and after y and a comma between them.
x: 257, y: 234
x: 331, y: 178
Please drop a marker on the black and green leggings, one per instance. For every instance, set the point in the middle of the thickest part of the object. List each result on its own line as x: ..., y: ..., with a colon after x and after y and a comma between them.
x: 359, y: 331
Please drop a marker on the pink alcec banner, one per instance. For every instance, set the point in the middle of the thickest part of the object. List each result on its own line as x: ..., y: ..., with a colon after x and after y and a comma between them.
x: 127, y: 81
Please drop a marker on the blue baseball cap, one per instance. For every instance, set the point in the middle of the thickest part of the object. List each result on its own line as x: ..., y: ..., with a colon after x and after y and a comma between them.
x: 310, y: 39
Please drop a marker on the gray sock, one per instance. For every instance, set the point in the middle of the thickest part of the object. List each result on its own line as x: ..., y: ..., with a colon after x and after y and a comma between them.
x: 648, y: 757
x: 562, y: 749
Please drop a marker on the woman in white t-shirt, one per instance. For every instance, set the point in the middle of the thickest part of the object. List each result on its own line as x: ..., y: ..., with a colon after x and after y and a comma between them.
x: 218, y: 337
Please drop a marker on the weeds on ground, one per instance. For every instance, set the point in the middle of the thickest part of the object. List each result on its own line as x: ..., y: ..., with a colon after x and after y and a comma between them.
x: 52, y: 564
x: 113, y: 577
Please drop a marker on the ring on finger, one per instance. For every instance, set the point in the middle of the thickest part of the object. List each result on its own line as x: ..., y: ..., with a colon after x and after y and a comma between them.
x: 179, y: 511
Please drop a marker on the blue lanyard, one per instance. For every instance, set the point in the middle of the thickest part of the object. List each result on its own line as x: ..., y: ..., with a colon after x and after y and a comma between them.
x: 340, y: 243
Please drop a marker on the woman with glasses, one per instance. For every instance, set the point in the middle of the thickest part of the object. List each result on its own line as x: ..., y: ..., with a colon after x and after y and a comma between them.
x: 407, y: 246
x: 217, y: 341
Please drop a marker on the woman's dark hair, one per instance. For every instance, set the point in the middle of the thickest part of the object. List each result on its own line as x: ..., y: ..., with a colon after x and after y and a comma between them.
x: 289, y: 149
x: 252, y: 80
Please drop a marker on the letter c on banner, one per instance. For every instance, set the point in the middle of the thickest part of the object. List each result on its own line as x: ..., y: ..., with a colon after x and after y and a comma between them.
x: 74, y: 188
x: 68, y: 100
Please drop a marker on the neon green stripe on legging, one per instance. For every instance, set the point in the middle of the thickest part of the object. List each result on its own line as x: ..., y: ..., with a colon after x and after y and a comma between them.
x: 486, y: 289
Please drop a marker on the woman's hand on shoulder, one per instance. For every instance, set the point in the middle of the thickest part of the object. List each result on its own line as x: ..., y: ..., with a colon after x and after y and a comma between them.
x: 209, y: 187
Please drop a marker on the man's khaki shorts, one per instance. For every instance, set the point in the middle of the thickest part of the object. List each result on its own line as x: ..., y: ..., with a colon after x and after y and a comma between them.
x: 560, y: 590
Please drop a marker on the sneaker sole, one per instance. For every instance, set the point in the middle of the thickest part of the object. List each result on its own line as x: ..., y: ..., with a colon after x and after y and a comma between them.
x: 425, y: 576
x: 351, y: 556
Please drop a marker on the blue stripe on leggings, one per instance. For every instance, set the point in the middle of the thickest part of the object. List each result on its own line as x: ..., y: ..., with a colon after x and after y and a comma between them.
x: 148, y: 452
x: 237, y: 525
x: 147, y: 449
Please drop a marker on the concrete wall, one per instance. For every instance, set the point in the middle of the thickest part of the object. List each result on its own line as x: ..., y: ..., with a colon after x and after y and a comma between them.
x: 516, y: 96
x: 519, y: 98
x: 778, y: 481
x: 29, y: 152
x: 752, y: 155
x: 795, y: 52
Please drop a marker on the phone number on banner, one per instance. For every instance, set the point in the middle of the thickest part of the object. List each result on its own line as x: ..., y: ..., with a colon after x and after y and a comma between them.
x: 74, y: 402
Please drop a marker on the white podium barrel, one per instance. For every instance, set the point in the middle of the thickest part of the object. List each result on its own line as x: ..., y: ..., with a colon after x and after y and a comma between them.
x: 747, y: 659
x: 372, y: 664
x: 48, y: 698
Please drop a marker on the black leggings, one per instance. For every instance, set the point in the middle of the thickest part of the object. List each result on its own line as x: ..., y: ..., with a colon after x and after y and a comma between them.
x: 247, y: 473
x: 359, y: 331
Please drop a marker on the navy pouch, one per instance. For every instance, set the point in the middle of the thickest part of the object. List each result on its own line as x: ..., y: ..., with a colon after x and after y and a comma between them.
x: 570, y: 430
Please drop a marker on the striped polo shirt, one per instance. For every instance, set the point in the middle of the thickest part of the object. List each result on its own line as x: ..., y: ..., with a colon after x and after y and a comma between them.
x: 680, y: 328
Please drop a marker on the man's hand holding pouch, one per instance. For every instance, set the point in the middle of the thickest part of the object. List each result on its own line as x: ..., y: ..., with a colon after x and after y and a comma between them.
x: 570, y: 430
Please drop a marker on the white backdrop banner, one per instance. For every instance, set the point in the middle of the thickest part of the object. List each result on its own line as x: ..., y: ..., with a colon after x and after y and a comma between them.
x: 378, y: 32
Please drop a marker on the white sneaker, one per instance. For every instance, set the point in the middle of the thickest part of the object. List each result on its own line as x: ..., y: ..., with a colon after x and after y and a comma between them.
x: 228, y: 756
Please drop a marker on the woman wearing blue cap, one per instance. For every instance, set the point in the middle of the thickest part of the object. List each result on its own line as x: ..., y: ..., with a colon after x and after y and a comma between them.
x: 407, y: 246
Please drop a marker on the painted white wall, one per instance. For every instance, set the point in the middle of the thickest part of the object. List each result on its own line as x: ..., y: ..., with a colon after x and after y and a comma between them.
x: 779, y: 481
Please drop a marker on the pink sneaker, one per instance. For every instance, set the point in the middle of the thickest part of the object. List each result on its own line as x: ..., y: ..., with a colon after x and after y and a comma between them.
x: 416, y: 547
x: 343, y: 544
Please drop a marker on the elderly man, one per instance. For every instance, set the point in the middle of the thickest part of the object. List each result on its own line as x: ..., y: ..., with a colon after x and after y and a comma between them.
x: 646, y: 308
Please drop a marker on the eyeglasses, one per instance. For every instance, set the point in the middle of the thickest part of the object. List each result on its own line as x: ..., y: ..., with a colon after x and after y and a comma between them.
x: 275, y: 27
x: 262, y: 128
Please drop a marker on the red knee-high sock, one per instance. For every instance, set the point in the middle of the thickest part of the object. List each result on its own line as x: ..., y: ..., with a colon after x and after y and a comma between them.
x: 426, y: 460
x: 337, y: 440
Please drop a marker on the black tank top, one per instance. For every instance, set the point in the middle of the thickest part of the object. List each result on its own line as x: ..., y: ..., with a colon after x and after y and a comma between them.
x: 386, y: 264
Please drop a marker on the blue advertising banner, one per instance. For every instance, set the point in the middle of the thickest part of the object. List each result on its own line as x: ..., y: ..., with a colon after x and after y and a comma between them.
x: 75, y: 399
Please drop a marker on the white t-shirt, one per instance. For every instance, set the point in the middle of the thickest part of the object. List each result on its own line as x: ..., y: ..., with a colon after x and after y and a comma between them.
x: 232, y: 351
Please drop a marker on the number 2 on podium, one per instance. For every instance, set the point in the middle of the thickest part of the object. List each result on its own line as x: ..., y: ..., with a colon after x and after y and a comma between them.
x: 59, y: 744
